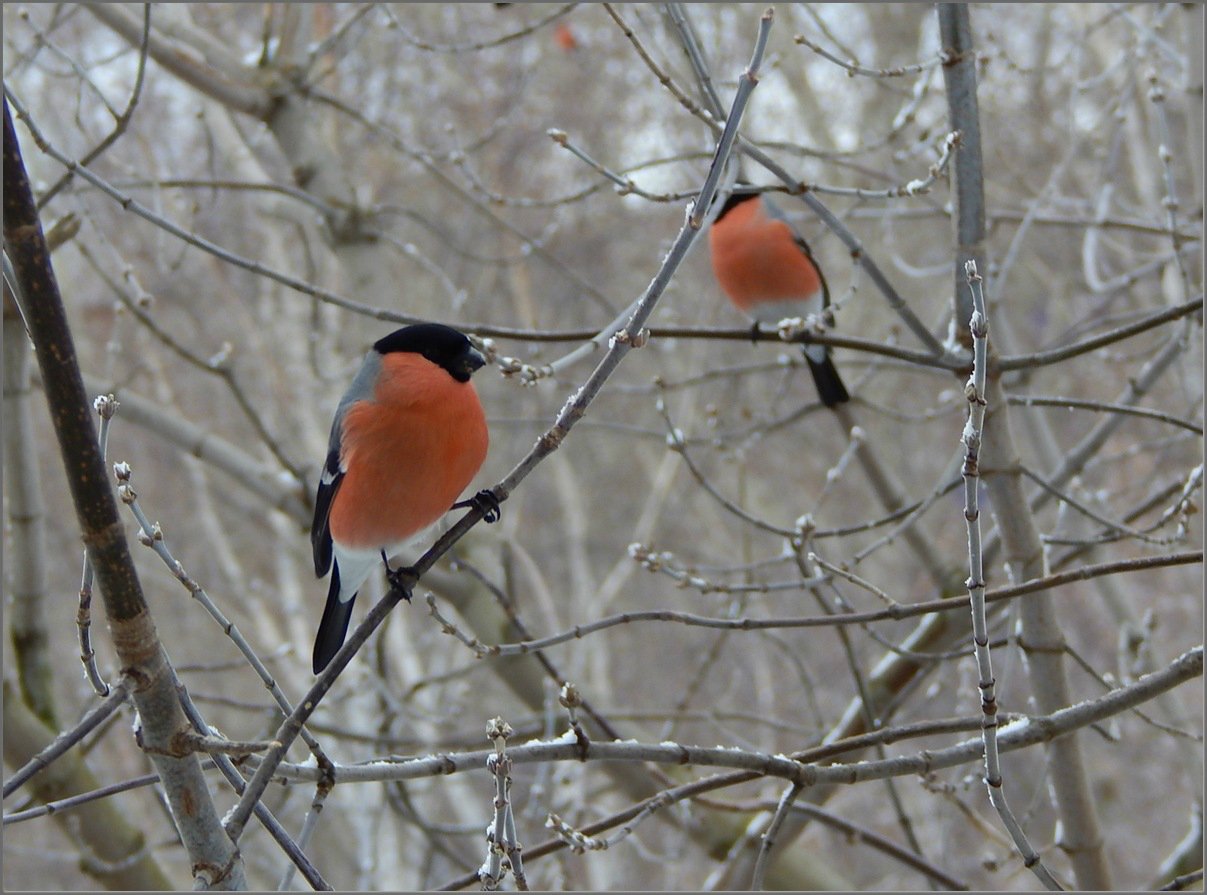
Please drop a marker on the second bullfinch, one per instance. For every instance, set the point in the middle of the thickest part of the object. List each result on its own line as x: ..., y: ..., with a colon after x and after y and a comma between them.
x: 407, y: 438
x: 768, y: 272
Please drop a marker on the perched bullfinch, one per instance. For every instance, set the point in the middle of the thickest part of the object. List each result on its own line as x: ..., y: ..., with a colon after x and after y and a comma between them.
x: 768, y: 272
x: 408, y: 437
x: 563, y: 36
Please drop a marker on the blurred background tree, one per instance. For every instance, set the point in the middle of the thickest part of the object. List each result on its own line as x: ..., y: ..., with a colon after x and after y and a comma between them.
x: 362, y: 164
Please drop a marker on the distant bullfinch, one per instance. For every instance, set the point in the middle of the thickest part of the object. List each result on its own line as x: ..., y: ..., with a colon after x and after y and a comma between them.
x: 407, y: 438
x: 768, y: 272
x: 563, y: 36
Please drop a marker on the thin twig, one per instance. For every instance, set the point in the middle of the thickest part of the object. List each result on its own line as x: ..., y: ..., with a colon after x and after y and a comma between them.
x: 105, y: 406
x: 473, y: 46
x: 118, y: 694
x: 894, y: 613
x: 1055, y: 355
x: 768, y: 838
x: 1105, y: 407
x: 974, y: 391
x: 854, y: 68
x: 121, y: 121
x: 219, y: 365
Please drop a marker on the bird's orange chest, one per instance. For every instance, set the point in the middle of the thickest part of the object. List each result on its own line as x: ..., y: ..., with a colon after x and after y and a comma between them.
x: 756, y: 259
x: 408, y: 454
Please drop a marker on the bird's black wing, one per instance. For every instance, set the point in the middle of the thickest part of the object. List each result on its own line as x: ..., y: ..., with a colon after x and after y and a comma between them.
x: 320, y: 530
x: 333, y: 469
x: 825, y: 287
x: 773, y: 211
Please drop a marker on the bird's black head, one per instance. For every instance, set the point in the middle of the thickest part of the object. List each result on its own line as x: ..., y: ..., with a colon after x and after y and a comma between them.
x: 741, y: 193
x: 440, y: 344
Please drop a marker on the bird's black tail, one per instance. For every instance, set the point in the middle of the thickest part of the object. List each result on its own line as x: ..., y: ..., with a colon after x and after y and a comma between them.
x: 334, y: 626
x: 829, y: 386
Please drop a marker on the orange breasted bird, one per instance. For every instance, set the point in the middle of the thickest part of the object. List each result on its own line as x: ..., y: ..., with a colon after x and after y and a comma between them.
x: 563, y: 36
x: 407, y: 438
x: 768, y: 272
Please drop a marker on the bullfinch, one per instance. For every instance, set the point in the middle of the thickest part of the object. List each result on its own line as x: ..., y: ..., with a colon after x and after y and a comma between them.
x: 563, y: 36
x: 407, y: 438
x: 768, y: 272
